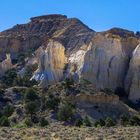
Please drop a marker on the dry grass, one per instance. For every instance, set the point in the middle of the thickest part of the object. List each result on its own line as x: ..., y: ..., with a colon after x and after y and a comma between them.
x: 59, y: 132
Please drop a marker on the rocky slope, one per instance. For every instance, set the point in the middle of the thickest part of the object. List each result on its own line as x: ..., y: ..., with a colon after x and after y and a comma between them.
x: 66, y: 47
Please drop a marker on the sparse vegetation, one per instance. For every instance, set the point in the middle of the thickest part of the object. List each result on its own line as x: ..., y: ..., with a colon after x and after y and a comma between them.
x: 4, y: 121
x: 78, y: 122
x: 43, y: 122
x: 65, y: 112
x: 87, y: 121
x: 109, y: 122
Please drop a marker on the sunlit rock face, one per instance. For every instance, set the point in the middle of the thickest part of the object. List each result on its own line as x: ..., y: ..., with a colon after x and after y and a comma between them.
x: 106, y: 63
x: 70, y: 32
x: 51, y: 64
x: 5, y: 65
x: 70, y: 48
x: 132, y: 81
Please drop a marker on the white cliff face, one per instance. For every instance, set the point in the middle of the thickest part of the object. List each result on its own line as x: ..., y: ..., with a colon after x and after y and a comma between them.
x: 76, y: 62
x: 132, y: 81
x: 51, y: 64
x: 6, y: 64
x: 105, y: 63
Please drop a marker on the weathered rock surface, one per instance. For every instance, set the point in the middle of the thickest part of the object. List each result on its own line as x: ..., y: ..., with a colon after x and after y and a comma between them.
x: 70, y: 48
x: 132, y: 81
x: 5, y: 64
x: 98, y: 98
x: 51, y: 64
x: 106, y: 63
x: 71, y: 32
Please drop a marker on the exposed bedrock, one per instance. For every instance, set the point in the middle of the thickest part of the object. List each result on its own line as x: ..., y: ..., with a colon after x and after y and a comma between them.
x: 69, y: 48
x: 51, y: 64
x: 132, y: 81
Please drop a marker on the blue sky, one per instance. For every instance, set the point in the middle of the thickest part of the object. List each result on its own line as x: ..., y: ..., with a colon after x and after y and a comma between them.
x: 97, y: 14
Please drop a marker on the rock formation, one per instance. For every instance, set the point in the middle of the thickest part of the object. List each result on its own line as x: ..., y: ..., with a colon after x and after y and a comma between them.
x: 132, y: 81
x: 71, y: 33
x: 51, y: 64
x: 5, y: 64
x: 99, y: 98
x: 69, y: 48
x: 105, y: 64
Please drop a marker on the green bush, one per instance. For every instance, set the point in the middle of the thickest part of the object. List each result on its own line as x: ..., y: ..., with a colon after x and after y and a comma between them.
x: 65, y: 112
x: 24, y: 81
x: 9, y: 77
x: 52, y: 102
x: 30, y: 69
x: 31, y: 95
x: 8, y: 110
x: 4, y: 121
x: 68, y: 82
x: 28, y: 122
x: 87, y: 121
x: 43, y: 122
x: 109, y: 122
x: 124, y: 120
x: 100, y: 123
x: 78, y: 122
x: 134, y: 121
x: 97, y: 124
x: 20, y: 125
x: 31, y: 107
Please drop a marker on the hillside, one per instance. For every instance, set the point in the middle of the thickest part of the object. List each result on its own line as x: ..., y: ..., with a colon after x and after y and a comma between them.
x: 57, y: 73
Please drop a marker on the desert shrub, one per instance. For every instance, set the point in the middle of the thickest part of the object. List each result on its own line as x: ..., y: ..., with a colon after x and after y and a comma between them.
x: 35, y: 119
x: 30, y: 69
x: 20, y: 125
x: 24, y: 81
x: 68, y: 82
x: 9, y: 77
x: 78, y: 122
x: 134, y: 121
x: 124, y: 120
x: 8, y: 110
x: 99, y: 123
x: 4, y: 121
x: 65, y: 112
x: 102, y: 122
x: 87, y: 121
x: 31, y: 108
x: 52, y: 102
x: 109, y: 122
x: 28, y: 122
x: 43, y: 122
x: 31, y: 95
x: 21, y: 58
x: 107, y: 91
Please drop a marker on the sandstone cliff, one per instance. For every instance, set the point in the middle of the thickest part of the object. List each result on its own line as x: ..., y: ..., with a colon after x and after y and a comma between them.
x: 66, y: 47
x: 6, y: 65
x: 132, y: 83
x: 71, y: 32
x: 51, y: 64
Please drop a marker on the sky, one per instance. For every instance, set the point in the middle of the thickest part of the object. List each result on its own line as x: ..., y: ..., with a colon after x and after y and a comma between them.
x: 99, y: 15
